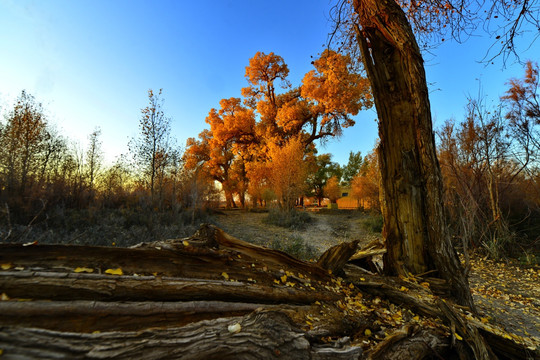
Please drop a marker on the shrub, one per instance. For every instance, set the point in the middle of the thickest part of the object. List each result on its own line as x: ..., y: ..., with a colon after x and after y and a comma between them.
x: 291, y: 219
x: 295, y: 246
x: 373, y: 223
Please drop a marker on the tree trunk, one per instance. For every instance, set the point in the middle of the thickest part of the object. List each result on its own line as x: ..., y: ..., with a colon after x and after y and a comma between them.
x: 414, y: 223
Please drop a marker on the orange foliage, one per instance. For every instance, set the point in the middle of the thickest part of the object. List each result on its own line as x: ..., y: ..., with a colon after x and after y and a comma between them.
x: 335, y: 91
x: 253, y: 141
x: 223, y: 150
x: 365, y: 185
x: 332, y: 190
x: 288, y: 171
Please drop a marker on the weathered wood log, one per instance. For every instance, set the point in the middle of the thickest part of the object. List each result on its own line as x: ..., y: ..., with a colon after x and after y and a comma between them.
x: 82, y: 286
x: 88, y: 316
x: 206, y: 255
x: 216, y: 277
x: 260, y: 335
x: 365, y: 257
x: 468, y: 331
x: 410, y: 342
x: 337, y: 256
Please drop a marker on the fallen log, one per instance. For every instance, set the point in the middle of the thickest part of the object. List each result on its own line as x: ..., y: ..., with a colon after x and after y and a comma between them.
x: 81, y: 286
x: 206, y: 255
x: 88, y: 316
x: 259, y: 335
x: 182, y: 295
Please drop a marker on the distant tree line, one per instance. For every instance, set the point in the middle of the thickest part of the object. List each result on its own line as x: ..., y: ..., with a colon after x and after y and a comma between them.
x: 43, y: 174
x: 490, y: 166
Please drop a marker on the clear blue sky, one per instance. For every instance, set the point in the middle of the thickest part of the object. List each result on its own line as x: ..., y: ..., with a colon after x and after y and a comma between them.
x: 91, y: 62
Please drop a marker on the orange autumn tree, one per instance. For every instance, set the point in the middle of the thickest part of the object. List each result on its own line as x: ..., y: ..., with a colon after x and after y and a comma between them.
x: 334, y: 92
x: 223, y: 150
x: 288, y: 171
x: 365, y: 185
x: 332, y: 190
x: 236, y: 150
x: 319, y: 108
x: 259, y: 186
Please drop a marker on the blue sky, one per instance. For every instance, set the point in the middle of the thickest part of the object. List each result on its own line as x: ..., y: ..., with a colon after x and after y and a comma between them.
x: 91, y: 63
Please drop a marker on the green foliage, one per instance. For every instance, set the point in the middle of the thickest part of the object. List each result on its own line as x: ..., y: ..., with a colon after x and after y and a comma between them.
x: 353, y: 167
x: 373, y: 223
x: 326, y: 169
x: 291, y: 219
x: 529, y: 259
x: 295, y: 246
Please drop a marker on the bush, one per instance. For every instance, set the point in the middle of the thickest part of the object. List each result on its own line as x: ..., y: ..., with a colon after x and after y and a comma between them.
x: 290, y: 219
x: 109, y: 227
x: 295, y: 246
x: 373, y: 223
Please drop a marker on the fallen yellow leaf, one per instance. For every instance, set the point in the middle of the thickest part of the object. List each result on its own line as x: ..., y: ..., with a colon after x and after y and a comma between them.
x: 4, y: 297
x: 367, y: 332
x: 284, y: 278
x: 186, y: 243
x: 403, y: 288
x: 225, y: 275
x: 83, y: 269
x: 458, y: 337
x: 6, y: 266
x: 117, y: 271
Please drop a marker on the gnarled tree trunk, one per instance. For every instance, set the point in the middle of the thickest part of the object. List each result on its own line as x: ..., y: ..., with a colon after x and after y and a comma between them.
x: 414, y: 224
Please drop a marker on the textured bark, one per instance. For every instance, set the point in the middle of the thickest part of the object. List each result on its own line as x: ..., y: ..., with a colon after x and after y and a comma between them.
x: 416, y: 235
x: 204, y: 255
x: 483, y: 341
x: 88, y: 316
x: 162, y: 316
x: 337, y: 256
x: 261, y: 335
x: 411, y: 343
x: 72, y: 286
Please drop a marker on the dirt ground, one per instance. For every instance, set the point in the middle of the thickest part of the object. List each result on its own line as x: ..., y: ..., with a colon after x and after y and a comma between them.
x: 325, y: 231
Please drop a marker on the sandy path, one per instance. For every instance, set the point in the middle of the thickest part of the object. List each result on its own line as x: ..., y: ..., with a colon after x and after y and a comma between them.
x: 325, y: 231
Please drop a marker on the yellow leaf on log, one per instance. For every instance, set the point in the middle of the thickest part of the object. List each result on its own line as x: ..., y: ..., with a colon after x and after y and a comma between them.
x: 117, y: 271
